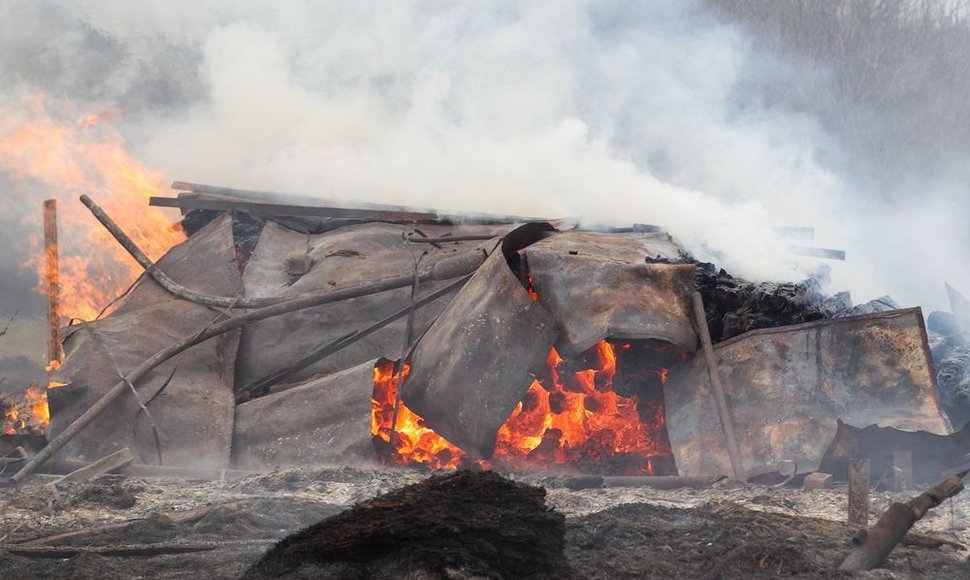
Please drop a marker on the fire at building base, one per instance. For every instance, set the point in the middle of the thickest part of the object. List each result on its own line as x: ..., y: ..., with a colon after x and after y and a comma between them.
x: 331, y: 353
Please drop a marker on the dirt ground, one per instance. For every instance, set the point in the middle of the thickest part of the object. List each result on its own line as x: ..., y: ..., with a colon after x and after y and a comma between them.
x: 122, y: 527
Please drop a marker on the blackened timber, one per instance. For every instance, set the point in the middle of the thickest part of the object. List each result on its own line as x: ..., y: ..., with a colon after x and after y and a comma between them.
x: 203, y: 201
x: 896, y: 522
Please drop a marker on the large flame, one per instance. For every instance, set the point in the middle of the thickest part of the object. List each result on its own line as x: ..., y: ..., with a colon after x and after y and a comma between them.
x: 41, y: 151
x: 569, y: 418
x: 413, y: 441
x: 578, y: 419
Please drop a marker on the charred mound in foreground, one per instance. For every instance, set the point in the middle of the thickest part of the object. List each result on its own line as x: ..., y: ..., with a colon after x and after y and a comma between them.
x: 461, y: 525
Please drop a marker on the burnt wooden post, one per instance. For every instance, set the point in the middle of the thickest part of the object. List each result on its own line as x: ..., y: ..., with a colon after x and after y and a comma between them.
x: 727, y: 422
x: 902, y: 470
x: 52, y: 284
x: 896, y: 521
x: 859, y: 492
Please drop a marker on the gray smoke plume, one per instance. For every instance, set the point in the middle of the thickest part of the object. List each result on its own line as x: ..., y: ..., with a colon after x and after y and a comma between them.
x: 663, y: 112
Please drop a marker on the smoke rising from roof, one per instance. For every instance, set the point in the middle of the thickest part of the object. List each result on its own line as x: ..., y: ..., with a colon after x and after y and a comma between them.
x: 614, y: 111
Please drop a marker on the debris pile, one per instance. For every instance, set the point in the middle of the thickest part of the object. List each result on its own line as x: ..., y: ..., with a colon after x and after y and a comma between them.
x: 464, y: 525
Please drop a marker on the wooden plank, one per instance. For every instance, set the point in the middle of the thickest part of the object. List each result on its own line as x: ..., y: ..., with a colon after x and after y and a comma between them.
x: 191, y: 201
x: 107, y: 463
x: 892, y: 527
x: 859, y: 492
x: 723, y: 412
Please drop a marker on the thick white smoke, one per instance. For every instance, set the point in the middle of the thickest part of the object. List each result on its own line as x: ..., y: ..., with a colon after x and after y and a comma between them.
x: 617, y: 112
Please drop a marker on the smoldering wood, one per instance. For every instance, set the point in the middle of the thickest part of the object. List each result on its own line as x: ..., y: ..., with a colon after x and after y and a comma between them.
x: 460, y: 266
x: 599, y: 285
x: 471, y: 368
x: 858, y: 512
x: 116, y: 460
x: 896, y: 522
x: 714, y: 374
x: 52, y: 283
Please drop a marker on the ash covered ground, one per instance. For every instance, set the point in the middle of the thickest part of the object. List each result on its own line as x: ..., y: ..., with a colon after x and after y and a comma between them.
x: 110, y: 527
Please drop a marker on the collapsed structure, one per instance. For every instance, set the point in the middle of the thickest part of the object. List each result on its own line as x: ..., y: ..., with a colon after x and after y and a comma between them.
x: 516, y: 343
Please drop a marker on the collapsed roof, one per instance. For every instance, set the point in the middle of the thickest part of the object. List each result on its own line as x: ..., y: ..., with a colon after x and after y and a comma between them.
x: 473, y: 304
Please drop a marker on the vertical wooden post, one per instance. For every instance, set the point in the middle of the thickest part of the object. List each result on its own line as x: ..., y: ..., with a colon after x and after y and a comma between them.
x: 727, y: 422
x: 52, y: 283
x: 859, y: 492
x: 902, y: 470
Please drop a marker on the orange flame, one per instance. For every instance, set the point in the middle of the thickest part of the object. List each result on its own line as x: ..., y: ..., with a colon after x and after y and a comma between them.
x: 26, y: 413
x: 414, y: 443
x: 41, y: 152
x: 573, y: 419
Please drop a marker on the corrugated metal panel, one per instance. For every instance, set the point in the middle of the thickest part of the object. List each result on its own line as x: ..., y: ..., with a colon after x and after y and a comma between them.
x: 786, y: 387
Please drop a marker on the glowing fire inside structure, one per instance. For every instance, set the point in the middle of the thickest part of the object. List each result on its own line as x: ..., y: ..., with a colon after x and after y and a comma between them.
x: 567, y: 417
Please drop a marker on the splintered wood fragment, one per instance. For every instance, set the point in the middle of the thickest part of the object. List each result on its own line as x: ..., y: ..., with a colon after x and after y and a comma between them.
x: 896, y: 522
x: 104, y: 465
x: 859, y: 492
x: 902, y: 470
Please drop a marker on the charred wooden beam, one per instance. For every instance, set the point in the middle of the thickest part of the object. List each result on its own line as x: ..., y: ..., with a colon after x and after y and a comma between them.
x: 896, y: 522
x: 52, y: 284
x: 727, y: 422
x: 369, y: 212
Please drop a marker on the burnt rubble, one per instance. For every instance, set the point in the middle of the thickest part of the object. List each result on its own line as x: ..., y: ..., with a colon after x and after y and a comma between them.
x: 461, y: 525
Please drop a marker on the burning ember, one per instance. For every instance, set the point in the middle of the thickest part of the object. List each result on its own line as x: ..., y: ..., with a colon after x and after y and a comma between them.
x: 567, y: 417
x: 26, y: 413
x: 66, y: 159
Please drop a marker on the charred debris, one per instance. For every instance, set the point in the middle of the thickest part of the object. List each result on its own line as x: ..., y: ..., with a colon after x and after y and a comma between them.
x: 286, y: 332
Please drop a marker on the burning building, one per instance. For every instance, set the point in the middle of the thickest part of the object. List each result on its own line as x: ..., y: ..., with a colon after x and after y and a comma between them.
x: 282, y: 334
